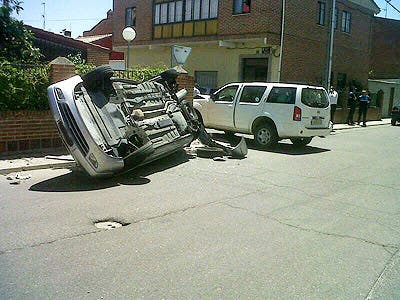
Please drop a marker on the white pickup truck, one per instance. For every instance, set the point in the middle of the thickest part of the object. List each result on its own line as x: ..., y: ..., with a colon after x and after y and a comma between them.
x: 269, y: 111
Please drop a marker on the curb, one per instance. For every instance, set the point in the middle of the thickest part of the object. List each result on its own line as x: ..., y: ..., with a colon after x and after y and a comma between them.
x: 37, y: 167
x: 358, y: 126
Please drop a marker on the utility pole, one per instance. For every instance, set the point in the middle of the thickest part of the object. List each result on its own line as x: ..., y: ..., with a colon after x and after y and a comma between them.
x: 331, y: 38
x: 44, y: 14
x: 282, y: 37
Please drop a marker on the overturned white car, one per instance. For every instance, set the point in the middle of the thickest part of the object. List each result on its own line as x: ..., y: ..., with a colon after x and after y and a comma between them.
x: 110, y: 125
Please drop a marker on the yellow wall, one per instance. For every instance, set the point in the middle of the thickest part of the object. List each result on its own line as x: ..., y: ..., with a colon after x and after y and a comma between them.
x: 206, y: 58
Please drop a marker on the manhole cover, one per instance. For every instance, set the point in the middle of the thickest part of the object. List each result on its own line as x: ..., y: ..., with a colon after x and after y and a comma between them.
x: 108, y: 225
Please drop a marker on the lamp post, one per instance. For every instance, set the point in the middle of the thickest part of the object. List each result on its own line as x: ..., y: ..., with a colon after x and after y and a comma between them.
x: 129, y: 34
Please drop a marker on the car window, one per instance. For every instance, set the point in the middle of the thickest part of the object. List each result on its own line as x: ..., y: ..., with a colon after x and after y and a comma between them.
x: 227, y: 94
x: 285, y: 95
x: 252, y: 94
x: 314, y: 98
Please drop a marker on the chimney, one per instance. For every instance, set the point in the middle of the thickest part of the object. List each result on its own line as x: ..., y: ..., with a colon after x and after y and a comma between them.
x: 66, y: 32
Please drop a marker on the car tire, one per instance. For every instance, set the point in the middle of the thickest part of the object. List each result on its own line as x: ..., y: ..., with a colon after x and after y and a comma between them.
x: 393, y: 122
x: 301, y: 142
x: 265, y: 136
x: 94, y: 79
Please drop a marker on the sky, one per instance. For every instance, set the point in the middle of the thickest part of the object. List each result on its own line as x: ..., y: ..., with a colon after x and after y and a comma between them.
x: 74, y: 15
x: 81, y: 15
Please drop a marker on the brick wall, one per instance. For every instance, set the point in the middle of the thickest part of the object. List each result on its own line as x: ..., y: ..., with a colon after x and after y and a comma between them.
x: 385, y: 52
x: 24, y: 131
x: 98, y: 56
x: 103, y: 27
x: 186, y: 81
x: 61, y: 69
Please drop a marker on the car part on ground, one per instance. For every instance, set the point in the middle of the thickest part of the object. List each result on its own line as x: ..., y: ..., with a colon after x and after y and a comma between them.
x: 110, y: 125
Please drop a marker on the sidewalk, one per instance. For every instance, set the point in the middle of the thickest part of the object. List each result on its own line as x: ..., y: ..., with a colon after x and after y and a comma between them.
x: 8, y: 166
x: 369, y: 123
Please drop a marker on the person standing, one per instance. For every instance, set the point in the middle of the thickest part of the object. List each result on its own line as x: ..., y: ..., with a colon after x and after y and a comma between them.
x: 333, y: 98
x: 364, y: 100
x: 351, y: 103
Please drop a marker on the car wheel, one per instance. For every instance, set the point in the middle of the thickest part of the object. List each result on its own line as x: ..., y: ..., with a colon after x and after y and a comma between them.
x: 301, y: 142
x: 265, y: 136
x: 94, y: 79
x: 393, y: 122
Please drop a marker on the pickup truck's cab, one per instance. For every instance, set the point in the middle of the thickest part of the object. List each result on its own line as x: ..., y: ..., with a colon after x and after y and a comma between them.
x: 269, y: 111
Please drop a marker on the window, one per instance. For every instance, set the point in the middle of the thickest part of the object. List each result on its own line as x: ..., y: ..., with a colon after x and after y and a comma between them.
x: 157, y: 15
x: 252, y: 94
x: 206, y: 81
x: 314, y: 98
x: 227, y: 94
x: 336, y: 17
x: 188, y: 10
x: 285, y: 95
x: 346, y: 21
x: 178, y: 11
x: 172, y: 11
x: 241, y: 6
x: 164, y: 13
x: 196, y: 9
x: 130, y: 16
x: 321, y: 13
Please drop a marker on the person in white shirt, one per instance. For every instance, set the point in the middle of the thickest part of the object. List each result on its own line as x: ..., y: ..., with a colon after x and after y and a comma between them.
x: 333, y: 98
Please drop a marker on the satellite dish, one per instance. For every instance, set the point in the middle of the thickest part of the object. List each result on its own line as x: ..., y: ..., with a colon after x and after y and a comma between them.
x: 181, y: 54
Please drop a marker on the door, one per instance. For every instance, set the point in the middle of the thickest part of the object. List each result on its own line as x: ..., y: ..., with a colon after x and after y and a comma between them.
x: 249, y: 106
x: 222, y: 106
x: 255, y: 69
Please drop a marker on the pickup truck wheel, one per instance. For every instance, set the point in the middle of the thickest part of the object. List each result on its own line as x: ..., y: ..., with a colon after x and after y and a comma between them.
x: 94, y: 79
x: 393, y: 122
x: 265, y: 136
x: 301, y: 142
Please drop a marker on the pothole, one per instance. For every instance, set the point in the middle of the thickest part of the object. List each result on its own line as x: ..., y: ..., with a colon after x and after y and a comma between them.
x: 109, y: 225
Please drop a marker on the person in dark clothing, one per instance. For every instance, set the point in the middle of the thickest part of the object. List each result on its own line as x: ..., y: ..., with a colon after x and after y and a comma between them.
x: 352, y: 101
x: 364, y: 100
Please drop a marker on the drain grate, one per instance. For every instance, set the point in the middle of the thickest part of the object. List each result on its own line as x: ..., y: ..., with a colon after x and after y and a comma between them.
x: 108, y: 225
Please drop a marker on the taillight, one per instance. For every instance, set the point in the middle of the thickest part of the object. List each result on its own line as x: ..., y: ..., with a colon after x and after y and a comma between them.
x: 297, y: 114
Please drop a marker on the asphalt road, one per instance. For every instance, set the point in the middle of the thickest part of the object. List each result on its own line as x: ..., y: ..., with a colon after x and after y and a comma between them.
x: 318, y: 223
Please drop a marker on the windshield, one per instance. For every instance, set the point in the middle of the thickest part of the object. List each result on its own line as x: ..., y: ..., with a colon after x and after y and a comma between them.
x: 314, y: 98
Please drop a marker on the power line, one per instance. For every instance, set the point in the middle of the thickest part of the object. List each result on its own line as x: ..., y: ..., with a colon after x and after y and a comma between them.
x: 395, y: 8
x: 63, y: 20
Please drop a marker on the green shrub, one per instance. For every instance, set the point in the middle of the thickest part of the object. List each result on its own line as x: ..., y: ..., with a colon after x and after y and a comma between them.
x: 81, y: 66
x: 23, y: 87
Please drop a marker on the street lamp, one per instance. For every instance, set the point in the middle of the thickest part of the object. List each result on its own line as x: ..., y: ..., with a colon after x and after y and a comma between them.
x: 129, y: 34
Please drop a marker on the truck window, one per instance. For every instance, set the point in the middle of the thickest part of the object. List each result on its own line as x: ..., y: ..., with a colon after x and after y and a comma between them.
x: 314, y: 98
x: 285, y: 95
x: 252, y: 94
x: 227, y: 94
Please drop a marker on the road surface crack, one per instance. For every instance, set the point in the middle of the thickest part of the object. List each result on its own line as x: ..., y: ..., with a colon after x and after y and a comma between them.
x: 298, y: 227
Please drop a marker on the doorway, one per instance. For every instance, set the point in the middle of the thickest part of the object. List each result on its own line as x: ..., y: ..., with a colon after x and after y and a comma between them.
x: 254, y: 69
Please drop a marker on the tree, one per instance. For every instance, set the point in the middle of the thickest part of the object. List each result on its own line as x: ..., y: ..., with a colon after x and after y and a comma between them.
x: 15, y: 40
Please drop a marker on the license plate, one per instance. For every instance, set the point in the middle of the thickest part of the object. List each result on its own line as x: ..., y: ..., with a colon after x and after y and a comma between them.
x: 316, y: 121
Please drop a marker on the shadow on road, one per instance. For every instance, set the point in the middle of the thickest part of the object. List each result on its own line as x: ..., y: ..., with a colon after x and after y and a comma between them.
x: 282, y: 148
x: 77, y: 180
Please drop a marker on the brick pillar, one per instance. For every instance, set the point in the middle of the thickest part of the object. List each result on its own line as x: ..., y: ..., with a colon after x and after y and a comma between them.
x: 185, y: 81
x: 60, y: 69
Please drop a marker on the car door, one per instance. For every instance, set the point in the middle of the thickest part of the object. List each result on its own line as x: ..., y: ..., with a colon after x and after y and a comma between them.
x: 248, y: 108
x: 221, y: 107
x: 280, y: 106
